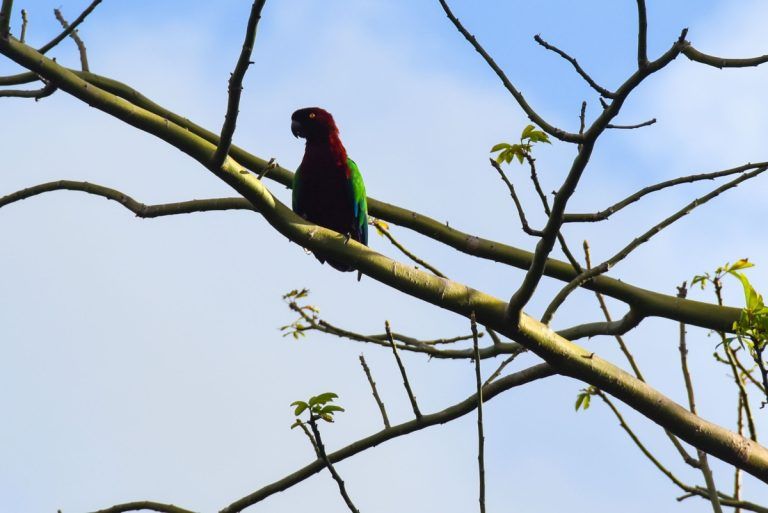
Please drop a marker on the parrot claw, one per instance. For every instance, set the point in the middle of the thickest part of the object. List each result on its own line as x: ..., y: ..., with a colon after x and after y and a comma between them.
x: 347, y: 236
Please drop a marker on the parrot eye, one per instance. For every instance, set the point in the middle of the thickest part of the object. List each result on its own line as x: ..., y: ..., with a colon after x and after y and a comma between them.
x: 312, y: 115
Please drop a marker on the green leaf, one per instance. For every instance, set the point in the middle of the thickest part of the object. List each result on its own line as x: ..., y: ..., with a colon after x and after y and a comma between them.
x: 752, y: 299
x: 322, y: 398
x: 520, y: 157
x: 326, y: 417
x: 297, y: 423
x: 743, y: 263
x: 579, y: 401
x: 300, y: 407
x: 527, y: 131
x: 499, y: 147
x: 330, y: 408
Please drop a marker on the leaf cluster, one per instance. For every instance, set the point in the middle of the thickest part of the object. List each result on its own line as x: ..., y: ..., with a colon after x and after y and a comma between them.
x: 318, y: 406
x: 521, y: 150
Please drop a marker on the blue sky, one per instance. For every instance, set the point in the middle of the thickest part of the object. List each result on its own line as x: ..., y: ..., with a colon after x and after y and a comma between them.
x: 141, y: 359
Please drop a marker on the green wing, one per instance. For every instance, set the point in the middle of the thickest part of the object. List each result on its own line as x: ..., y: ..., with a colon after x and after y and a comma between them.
x: 357, y: 195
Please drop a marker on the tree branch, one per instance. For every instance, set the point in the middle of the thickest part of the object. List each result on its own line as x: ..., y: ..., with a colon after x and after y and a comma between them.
x: 76, y: 38
x: 480, y: 435
x: 452, y: 412
x: 406, y: 383
x: 608, y: 212
x: 144, y: 505
x: 631, y: 127
x: 384, y: 231
x: 722, y: 62
x: 642, y: 35
x: 68, y: 30
x: 532, y: 115
x: 236, y: 86
x: 594, y: 85
x: 320, y: 447
x: 37, y: 94
x: 375, y: 392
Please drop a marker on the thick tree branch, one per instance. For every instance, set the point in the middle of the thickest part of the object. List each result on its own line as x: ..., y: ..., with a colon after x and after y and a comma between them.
x: 5, y: 18
x: 532, y: 114
x: 452, y: 412
x: 236, y: 86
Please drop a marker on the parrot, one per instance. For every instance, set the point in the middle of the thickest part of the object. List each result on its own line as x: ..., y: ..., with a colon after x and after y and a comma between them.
x: 328, y: 188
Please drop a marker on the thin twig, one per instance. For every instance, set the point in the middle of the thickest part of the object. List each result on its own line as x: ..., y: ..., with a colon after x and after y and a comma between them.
x: 406, y: 383
x: 520, y: 212
x: 737, y: 470
x: 594, y: 85
x: 67, y: 31
x: 682, y: 291
x: 76, y: 38
x: 24, y: 21
x: 631, y: 127
x: 495, y: 374
x: 384, y: 231
x: 480, y: 435
x: 532, y: 114
x: 236, y: 86
x: 606, y: 213
x: 324, y: 457
x: 375, y: 391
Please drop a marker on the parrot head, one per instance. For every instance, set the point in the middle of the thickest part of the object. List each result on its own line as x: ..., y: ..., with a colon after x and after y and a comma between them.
x: 313, y: 123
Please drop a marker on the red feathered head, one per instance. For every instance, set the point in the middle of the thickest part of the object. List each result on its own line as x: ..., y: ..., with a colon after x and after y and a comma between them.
x: 314, y: 124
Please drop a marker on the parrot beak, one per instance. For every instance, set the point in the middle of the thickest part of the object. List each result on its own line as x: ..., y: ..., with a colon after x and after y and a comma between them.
x: 296, y: 129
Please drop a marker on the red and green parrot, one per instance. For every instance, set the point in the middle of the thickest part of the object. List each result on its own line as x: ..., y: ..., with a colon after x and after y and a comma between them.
x: 328, y: 188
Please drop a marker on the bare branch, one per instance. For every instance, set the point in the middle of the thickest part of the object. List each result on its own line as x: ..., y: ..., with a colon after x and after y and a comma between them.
x: 642, y: 35
x: 594, y: 85
x: 21, y: 78
x: 631, y: 127
x: 324, y: 457
x: 375, y: 391
x: 521, y: 213
x: 616, y: 328
x: 24, y: 21
x: 455, y: 411
x: 532, y: 115
x: 608, y: 212
x: 682, y: 291
x: 384, y: 231
x: 67, y: 31
x: 722, y: 62
x: 406, y: 383
x: 37, y: 94
x: 76, y: 38
x: 236, y: 86
x: 144, y: 505
x: 480, y: 435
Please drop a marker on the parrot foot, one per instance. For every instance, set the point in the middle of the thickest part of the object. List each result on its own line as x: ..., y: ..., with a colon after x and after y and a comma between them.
x: 347, y: 236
